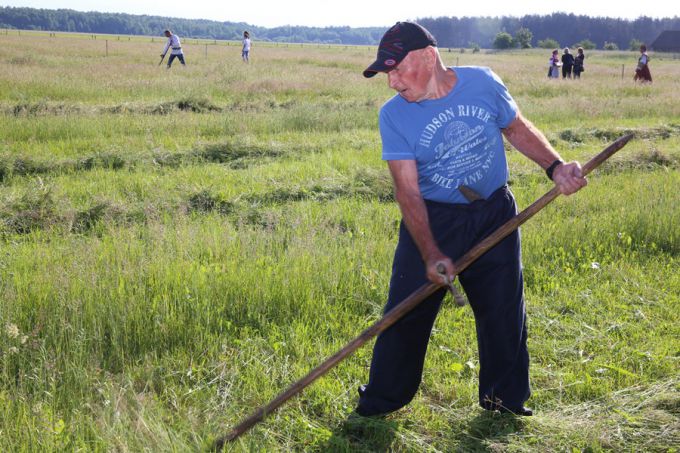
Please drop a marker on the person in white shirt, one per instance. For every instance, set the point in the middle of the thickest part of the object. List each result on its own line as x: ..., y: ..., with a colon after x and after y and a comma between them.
x: 175, y: 46
x: 246, y: 46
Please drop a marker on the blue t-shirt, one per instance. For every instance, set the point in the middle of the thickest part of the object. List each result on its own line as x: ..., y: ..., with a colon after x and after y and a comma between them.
x: 455, y: 140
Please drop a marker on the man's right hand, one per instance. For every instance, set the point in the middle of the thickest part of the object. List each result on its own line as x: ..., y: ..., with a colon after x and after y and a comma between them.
x: 568, y: 178
x: 434, y: 267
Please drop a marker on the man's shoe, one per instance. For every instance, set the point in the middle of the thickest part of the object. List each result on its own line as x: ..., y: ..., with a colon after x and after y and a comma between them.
x: 523, y: 411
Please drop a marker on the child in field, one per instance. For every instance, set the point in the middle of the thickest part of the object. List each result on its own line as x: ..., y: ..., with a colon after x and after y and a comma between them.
x: 246, y: 47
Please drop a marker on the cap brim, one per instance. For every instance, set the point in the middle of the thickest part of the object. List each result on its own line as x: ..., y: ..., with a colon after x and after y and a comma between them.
x: 375, y: 68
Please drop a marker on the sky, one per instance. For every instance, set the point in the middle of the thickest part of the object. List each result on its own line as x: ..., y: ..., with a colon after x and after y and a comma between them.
x: 355, y: 13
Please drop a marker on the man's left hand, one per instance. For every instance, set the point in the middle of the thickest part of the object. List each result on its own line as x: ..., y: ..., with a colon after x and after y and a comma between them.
x: 568, y: 178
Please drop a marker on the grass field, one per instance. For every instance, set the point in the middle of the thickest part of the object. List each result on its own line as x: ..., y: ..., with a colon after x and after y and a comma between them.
x: 178, y: 246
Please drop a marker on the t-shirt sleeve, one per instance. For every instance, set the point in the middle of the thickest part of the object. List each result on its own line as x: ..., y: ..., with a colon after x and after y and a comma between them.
x: 394, y: 144
x: 505, y: 104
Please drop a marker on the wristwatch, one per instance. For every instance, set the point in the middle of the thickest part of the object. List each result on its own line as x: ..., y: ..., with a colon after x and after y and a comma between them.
x: 549, y: 171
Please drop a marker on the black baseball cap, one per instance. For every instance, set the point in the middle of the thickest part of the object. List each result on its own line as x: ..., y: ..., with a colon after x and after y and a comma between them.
x: 396, y: 43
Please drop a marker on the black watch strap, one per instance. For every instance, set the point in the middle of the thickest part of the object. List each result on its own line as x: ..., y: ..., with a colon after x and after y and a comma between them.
x: 549, y: 171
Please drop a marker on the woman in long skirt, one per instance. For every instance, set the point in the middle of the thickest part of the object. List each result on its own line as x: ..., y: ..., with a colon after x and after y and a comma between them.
x: 642, y: 71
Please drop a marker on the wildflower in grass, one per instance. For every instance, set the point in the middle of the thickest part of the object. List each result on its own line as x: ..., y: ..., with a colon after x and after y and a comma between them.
x: 12, y: 330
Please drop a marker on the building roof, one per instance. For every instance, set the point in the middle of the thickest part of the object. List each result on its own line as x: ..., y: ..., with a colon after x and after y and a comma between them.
x: 668, y: 41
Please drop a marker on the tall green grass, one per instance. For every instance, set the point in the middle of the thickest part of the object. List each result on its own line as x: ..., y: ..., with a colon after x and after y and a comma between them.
x: 177, y: 247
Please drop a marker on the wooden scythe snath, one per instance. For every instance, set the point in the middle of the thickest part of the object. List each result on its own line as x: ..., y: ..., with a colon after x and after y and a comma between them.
x: 412, y: 301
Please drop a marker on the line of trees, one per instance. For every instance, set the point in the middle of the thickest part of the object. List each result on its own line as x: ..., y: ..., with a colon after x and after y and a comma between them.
x: 527, y: 31
x: 554, y: 30
x: 67, y: 20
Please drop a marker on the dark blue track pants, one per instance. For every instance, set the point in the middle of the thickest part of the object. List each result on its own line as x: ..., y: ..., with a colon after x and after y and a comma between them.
x: 494, y: 287
x: 172, y: 58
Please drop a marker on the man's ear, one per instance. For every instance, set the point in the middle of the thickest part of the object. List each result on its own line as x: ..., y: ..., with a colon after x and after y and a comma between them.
x: 429, y: 56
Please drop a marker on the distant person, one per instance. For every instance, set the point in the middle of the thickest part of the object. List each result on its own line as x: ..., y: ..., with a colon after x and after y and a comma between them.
x: 567, y: 63
x: 642, y: 71
x: 578, y: 63
x: 175, y: 46
x: 245, y: 53
x: 554, y: 65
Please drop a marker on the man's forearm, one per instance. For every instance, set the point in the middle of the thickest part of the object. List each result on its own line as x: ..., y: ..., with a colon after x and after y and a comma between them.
x: 531, y: 142
x: 414, y: 213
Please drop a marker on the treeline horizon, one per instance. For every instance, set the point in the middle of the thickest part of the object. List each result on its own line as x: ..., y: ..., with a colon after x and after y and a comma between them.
x: 562, y: 28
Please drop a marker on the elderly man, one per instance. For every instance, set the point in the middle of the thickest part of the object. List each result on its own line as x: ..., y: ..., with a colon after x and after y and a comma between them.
x: 442, y: 138
x: 175, y: 48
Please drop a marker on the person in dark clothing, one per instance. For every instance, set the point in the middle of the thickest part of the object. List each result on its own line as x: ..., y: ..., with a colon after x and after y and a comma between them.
x: 567, y: 63
x: 642, y: 73
x: 578, y: 63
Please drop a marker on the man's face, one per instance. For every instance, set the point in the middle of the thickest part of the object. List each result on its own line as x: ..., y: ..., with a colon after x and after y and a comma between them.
x: 412, y: 76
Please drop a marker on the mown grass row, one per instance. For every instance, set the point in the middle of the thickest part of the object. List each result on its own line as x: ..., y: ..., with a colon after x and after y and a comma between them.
x: 186, y: 104
x: 37, y: 209
x: 242, y: 155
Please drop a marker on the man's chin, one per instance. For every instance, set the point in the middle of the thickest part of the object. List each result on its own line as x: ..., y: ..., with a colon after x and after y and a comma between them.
x: 406, y: 97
